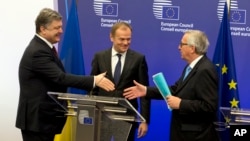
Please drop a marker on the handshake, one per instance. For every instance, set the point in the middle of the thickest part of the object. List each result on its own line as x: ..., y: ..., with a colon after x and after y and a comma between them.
x: 102, y: 82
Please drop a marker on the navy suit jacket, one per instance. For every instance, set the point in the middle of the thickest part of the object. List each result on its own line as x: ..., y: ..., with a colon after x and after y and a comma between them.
x: 198, y: 107
x: 135, y: 68
x: 40, y: 71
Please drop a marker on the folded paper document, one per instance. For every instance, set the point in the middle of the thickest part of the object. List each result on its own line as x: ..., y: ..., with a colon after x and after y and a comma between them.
x: 162, y: 85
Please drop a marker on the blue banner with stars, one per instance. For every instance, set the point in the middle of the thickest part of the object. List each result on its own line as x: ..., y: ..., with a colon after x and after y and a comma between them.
x: 224, y: 60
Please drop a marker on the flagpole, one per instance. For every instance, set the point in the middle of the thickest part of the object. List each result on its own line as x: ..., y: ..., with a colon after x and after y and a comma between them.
x: 66, y: 8
x: 229, y: 7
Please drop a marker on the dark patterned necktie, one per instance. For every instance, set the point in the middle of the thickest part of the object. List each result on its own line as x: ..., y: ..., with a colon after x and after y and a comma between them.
x: 117, y: 72
x: 54, y: 51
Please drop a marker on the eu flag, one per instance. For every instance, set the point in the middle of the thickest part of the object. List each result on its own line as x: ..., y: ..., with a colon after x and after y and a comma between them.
x: 238, y: 16
x: 88, y: 120
x: 170, y: 12
x: 110, y: 9
x: 224, y: 60
x: 71, y: 52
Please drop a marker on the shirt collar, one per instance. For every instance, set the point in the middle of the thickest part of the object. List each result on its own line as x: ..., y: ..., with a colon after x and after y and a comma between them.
x: 114, y: 52
x: 46, y: 41
x: 192, y: 64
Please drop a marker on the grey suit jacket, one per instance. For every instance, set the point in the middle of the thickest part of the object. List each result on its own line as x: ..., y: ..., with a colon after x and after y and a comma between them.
x: 135, y: 68
x: 40, y: 71
x: 199, y: 94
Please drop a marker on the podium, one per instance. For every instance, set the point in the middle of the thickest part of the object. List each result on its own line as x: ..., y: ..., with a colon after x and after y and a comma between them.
x: 99, y: 118
x: 237, y: 124
x: 233, y: 116
x: 236, y: 116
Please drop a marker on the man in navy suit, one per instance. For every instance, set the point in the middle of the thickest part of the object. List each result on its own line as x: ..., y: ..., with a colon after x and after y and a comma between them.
x: 40, y: 71
x: 194, y: 97
x: 133, y: 67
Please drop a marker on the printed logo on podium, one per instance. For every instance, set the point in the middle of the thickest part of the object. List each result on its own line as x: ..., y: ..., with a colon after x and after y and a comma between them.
x: 88, y: 120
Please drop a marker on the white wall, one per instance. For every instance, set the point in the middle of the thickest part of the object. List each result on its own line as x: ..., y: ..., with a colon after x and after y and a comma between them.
x: 17, y: 27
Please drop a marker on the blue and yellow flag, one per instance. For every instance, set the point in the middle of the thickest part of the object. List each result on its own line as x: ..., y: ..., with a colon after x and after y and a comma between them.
x: 224, y: 60
x: 71, y: 56
x: 71, y: 53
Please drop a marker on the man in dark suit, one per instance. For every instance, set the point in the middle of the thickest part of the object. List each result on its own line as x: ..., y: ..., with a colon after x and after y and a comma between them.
x: 194, y: 97
x: 40, y: 71
x: 133, y: 67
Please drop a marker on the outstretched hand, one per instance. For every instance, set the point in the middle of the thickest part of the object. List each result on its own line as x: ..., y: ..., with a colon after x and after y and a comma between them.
x: 102, y: 82
x: 133, y: 92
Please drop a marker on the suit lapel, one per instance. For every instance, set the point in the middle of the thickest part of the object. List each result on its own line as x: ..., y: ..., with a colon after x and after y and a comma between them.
x: 127, y: 63
x: 107, y: 62
x: 57, y: 60
x: 190, y: 76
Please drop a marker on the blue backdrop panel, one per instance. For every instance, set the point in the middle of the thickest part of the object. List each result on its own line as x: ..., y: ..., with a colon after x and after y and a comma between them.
x: 157, y: 30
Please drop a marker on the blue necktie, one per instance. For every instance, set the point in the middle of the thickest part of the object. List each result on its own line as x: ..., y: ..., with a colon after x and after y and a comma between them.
x: 188, y: 69
x: 117, y: 72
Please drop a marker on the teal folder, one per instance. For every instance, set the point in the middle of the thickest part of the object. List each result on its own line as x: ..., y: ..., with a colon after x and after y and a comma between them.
x: 162, y: 85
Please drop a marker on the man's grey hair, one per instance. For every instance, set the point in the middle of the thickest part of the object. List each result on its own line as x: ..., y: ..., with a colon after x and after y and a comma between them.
x: 198, y: 39
x: 45, y: 18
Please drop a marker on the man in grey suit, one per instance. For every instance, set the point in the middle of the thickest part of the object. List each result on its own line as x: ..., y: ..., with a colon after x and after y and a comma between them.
x: 194, y: 97
x: 133, y: 67
x: 40, y: 71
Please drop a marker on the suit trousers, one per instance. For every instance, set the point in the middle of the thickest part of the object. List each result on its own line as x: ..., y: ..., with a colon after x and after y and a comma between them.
x: 36, y: 136
x: 131, y: 136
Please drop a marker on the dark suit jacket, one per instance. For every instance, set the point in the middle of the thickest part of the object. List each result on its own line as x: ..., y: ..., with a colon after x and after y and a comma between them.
x: 41, y: 71
x: 199, y: 94
x: 135, y: 68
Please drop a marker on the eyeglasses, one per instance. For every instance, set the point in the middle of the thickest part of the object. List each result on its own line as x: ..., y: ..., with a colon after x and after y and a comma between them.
x: 182, y: 44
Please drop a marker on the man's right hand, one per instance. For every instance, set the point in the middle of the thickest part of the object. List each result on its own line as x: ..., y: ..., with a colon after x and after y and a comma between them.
x: 102, y: 82
x: 133, y: 92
